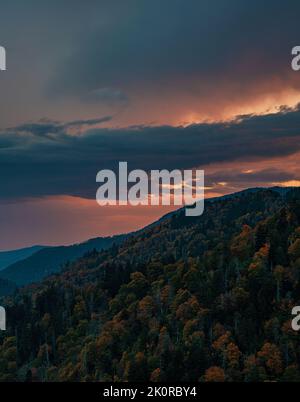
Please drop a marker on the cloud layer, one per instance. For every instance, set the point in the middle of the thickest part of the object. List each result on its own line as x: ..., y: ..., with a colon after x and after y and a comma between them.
x: 46, y: 158
x: 167, y: 79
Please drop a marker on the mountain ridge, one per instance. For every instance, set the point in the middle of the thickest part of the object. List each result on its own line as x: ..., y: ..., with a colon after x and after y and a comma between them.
x: 206, y: 298
x: 49, y: 260
x: 9, y: 257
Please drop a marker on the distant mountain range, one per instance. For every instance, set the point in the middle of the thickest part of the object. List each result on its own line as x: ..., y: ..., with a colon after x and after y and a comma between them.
x: 10, y: 257
x: 39, y: 262
x: 6, y: 287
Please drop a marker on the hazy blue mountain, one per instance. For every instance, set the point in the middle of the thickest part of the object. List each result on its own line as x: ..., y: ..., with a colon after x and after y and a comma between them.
x: 10, y: 257
x: 50, y: 260
x: 6, y: 287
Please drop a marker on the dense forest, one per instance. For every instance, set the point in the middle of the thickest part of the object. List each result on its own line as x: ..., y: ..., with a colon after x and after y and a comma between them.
x: 188, y: 299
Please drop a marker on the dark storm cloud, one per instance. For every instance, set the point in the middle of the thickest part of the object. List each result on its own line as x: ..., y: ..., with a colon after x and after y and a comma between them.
x: 35, y: 165
x: 160, y: 42
x: 250, y: 178
x: 47, y: 127
x: 166, y: 61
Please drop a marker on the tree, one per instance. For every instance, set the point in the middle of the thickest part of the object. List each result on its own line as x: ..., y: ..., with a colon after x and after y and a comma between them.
x: 294, y: 250
x: 138, y: 368
x: 279, y: 276
x: 145, y: 308
x: 157, y: 375
x: 260, y: 261
x: 243, y: 245
x: 233, y: 355
x: 270, y: 357
x: 214, y: 374
x: 291, y: 374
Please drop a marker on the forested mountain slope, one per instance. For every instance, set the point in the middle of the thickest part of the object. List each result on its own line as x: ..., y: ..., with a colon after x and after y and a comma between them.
x: 206, y: 298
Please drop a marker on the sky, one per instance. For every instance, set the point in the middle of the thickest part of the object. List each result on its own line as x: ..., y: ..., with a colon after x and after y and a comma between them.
x: 173, y: 84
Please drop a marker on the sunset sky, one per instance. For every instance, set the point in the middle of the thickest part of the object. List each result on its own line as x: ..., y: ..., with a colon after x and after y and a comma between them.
x: 162, y: 84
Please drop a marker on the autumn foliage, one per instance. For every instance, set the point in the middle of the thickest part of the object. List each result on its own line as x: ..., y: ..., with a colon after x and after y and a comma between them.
x: 207, y: 299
